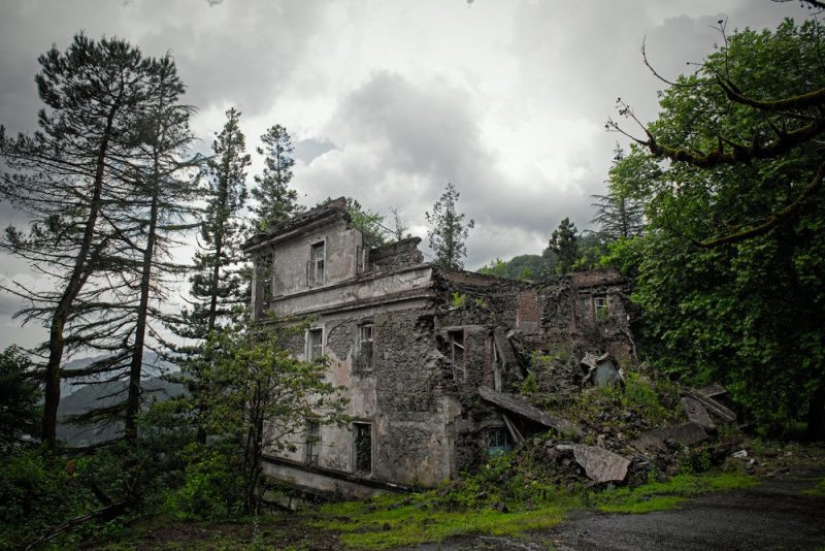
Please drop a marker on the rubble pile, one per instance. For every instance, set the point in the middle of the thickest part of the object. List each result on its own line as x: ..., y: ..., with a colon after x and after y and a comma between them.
x: 627, y: 425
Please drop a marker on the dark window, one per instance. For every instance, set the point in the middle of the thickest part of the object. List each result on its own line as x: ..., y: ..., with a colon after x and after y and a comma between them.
x: 363, y: 447
x: 499, y: 441
x: 364, y: 357
x: 313, y: 442
x: 315, y: 344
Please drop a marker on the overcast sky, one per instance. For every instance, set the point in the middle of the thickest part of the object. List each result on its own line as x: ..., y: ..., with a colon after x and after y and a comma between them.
x: 388, y: 100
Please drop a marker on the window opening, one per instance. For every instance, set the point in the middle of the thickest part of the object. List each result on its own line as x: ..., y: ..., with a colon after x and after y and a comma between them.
x: 499, y: 441
x: 317, y: 265
x: 364, y: 359
x: 315, y: 344
x: 457, y: 354
x: 497, y: 366
x: 313, y: 442
x: 600, y: 308
x: 363, y: 447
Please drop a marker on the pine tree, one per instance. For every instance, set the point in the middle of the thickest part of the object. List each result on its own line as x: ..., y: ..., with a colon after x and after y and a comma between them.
x: 72, y: 178
x: 217, y: 291
x: 448, y: 231
x: 276, y: 202
x: 563, y: 243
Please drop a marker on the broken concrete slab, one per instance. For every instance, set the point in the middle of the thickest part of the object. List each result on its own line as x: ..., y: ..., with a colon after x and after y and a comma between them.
x: 505, y: 348
x: 521, y: 407
x: 713, y: 390
x: 686, y: 434
x: 697, y: 413
x: 712, y: 405
x: 601, y: 465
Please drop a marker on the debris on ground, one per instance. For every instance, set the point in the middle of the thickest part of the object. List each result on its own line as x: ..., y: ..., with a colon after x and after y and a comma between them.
x: 613, y: 427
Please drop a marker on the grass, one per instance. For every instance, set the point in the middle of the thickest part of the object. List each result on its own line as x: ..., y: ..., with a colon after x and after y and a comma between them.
x: 661, y: 496
x: 393, y: 521
x: 386, y: 522
x: 818, y: 490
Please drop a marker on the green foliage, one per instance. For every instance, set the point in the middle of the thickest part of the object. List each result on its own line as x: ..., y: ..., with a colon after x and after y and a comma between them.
x: 19, y: 396
x: 212, y: 488
x: 458, y: 300
x: 37, y: 494
x: 818, y: 490
x: 463, y: 507
x: 530, y: 385
x: 730, y: 272
x: 274, y: 201
x: 526, y: 267
x: 563, y: 244
x: 660, y: 496
x: 448, y: 230
x: 652, y: 400
x: 618, y: 215
x: 255, y: 395
x: 368, y: 222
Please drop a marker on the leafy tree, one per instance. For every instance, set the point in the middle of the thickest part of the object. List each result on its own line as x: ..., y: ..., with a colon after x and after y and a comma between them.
x: 448, y: 231
x: 19, y: 396
x: 731, y: 269
x: 592, y: 247
x: 275, y: 201
x: 563, y: 244
x: 259, y: 396
x: 72, y: 178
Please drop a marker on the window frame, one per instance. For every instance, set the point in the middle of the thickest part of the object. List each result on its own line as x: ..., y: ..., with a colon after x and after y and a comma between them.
x: 601, y: 308
x: 362, y: 363
x: 311, y: 345
x: 318, y: 262
x: 312, y: 442
x: 362, y: 447
x: 458, y: 360
x: 498, y: 441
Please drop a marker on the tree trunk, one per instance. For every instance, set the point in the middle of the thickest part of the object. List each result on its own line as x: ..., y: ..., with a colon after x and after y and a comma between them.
x: 136, y: 366
x: 80, y: 273
x: 816, y: 414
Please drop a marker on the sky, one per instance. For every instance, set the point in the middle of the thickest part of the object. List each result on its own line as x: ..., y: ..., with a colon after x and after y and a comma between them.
x: 387, y: 101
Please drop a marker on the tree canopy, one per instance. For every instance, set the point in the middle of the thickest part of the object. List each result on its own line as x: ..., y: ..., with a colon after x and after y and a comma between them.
x: 731, y: 269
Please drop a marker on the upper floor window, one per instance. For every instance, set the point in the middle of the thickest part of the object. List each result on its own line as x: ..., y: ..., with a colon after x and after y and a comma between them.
x: 364, y: 358
x: 457, y: 351
x: 315, y: 344
x: 317, y: 261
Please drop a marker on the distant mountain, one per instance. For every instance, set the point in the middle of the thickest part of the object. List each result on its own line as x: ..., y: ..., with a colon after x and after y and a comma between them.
x: 81, y: 399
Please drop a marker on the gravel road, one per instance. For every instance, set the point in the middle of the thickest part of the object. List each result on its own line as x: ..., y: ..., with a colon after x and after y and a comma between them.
x: 775, y: 515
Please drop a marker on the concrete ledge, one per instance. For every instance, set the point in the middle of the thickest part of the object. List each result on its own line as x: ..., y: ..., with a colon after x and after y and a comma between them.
x: 326, y: 482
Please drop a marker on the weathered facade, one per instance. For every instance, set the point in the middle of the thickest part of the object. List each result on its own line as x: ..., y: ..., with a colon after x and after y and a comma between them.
x: 417, y: 349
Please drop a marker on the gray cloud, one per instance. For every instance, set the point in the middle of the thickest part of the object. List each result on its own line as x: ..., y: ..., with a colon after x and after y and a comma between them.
x: 391, y: 128
x: 310, y: 149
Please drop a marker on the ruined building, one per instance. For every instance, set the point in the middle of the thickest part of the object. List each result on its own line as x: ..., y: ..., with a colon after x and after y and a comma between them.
x: 430, y: 358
